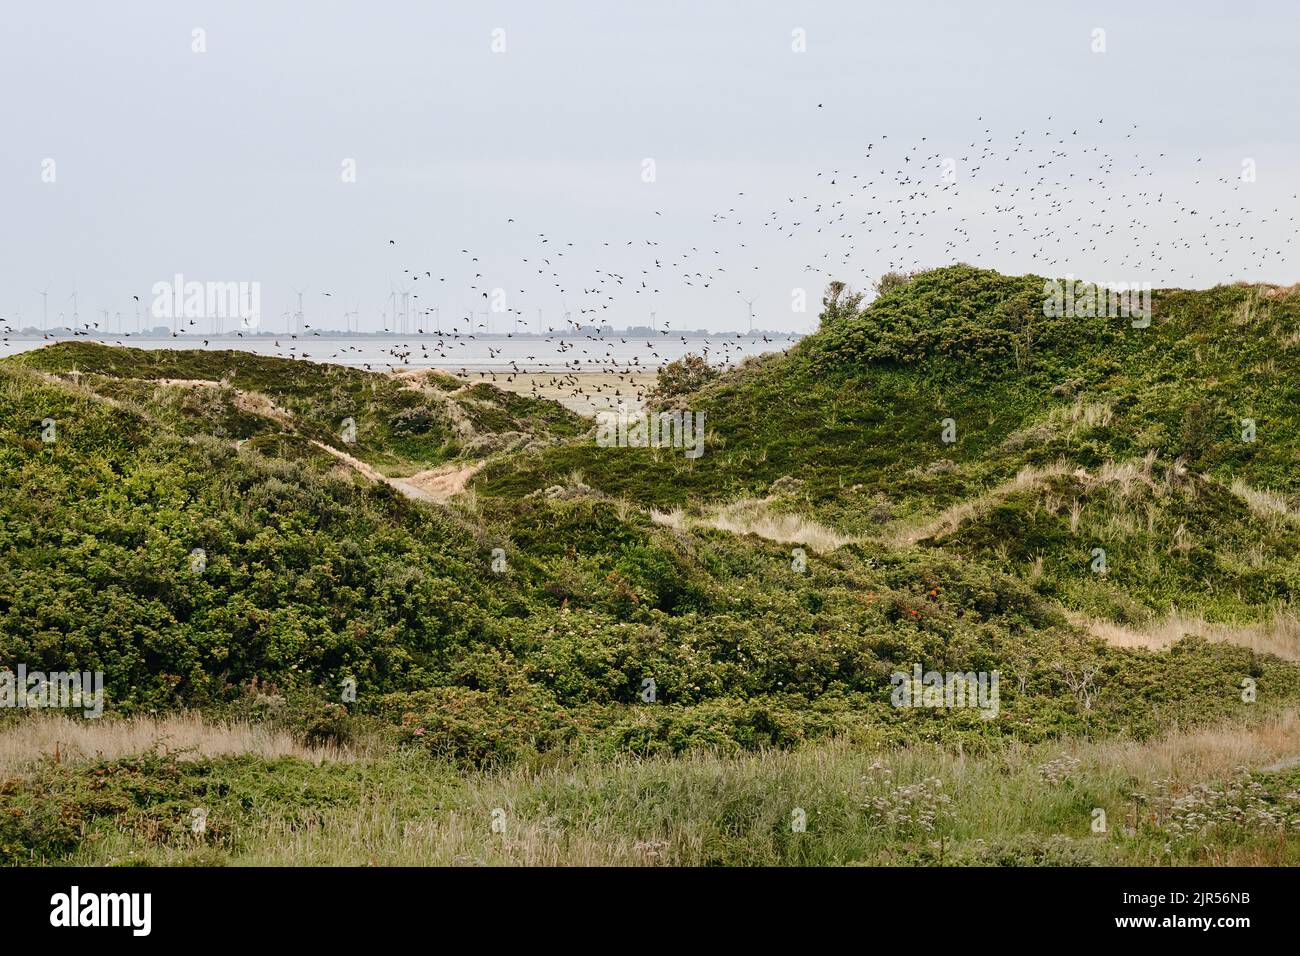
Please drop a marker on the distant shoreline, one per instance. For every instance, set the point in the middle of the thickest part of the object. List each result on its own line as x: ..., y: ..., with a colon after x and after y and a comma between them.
x: 65, y: 334
x: 567, y: 354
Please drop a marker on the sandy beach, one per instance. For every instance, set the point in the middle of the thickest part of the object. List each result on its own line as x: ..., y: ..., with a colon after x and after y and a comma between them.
x: 584, y: 392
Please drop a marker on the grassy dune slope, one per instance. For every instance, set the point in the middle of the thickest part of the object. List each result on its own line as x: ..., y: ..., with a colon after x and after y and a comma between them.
x: 400, y: 422
x: 1071, y: 434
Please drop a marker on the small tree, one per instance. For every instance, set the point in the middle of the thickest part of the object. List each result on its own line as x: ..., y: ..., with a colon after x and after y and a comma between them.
x: 890, y: 281
x: 679, y: 378
x: 840, y: 302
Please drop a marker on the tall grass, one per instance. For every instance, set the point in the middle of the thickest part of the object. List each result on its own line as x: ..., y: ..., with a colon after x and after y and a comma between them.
x: 1028, y: 804
x: 54, y: 737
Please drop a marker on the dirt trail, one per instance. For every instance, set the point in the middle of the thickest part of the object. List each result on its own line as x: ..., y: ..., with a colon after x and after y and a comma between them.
x: 442, y: 483
x: 438, y: 485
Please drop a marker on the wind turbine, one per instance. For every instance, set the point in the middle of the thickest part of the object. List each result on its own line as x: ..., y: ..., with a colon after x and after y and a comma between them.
x: 45, y: 309
x: 750, y: 303
x: 402, y: 326
x: 298, y: 316
x: 401, y: 320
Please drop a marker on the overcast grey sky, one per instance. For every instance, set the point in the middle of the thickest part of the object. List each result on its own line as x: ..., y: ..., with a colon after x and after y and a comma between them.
x: 228, y: 164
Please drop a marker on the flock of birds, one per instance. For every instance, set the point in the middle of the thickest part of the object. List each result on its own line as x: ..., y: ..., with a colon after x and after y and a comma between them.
x: 1041, y: 200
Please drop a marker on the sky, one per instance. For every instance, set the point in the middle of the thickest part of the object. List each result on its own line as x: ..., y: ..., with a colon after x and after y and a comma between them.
x: 358, y: 148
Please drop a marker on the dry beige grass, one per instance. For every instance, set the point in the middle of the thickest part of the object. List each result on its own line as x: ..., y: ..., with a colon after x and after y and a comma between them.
x: 755, y: 516
x: 37, y: 738
x: 1119, y: 480
x: 1252, y: 309
x: 911, y: 532
x: 1279, y: 635
x: 947, y: 520
x: 1124, y: 476
x: 1081, y: 415
x: 1203, y: 754
x: 1262, y: 501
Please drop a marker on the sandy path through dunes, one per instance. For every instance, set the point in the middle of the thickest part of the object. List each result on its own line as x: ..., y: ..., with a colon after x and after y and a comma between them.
x: 437, y: 484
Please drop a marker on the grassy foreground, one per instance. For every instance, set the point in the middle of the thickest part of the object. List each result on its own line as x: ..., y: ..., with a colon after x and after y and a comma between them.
x: 1224, y: 795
